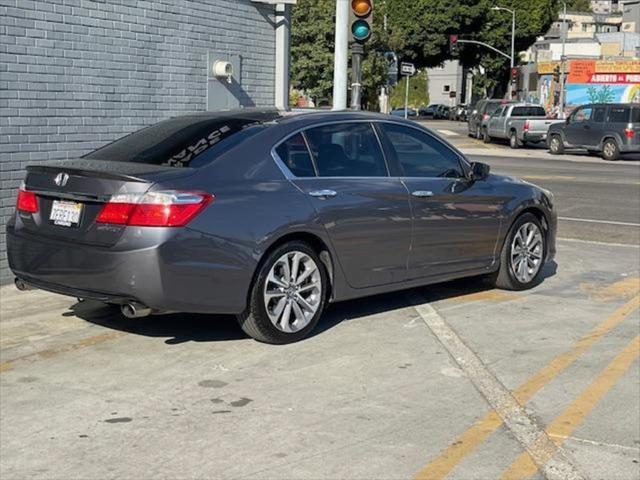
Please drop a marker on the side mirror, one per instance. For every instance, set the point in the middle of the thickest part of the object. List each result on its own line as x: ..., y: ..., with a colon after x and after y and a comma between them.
x: 479, y: 170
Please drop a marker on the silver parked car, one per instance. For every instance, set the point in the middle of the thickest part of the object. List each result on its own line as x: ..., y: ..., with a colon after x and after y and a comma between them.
x: 520, y: 123
x: 269, y: 217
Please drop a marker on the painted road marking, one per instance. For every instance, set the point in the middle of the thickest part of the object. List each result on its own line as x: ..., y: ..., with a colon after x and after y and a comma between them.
x: 475, y: 435
x: 594, y: 242
x: 448, y: 133
x: 574, y: 414
x: 604, y: 222
x: 553, y: 461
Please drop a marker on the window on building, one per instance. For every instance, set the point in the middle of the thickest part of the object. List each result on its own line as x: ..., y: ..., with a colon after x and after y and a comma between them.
x: 446, y: 88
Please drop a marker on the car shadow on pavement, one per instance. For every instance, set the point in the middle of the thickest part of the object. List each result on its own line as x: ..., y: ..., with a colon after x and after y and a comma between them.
x: 179, y: 328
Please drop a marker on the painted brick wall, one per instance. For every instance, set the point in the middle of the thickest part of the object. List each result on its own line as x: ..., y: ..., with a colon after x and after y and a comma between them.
x: 75, y: 74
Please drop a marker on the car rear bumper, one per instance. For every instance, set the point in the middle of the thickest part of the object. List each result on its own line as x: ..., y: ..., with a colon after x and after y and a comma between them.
x: 630, y: 148
x: 534, y: 137
x: 163, y: 277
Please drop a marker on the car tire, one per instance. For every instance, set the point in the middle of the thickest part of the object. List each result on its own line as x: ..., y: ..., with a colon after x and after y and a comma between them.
x: 513, y: 140
x: 478, y: 133
x: 510, y: 275
x: 610, y: 150
x: 267, y: 319
x: 556, y: 147
x: 485, y: 136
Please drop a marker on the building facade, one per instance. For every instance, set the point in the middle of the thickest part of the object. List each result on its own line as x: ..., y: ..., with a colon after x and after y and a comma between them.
x: 75, y: 75
x: 446, y: 83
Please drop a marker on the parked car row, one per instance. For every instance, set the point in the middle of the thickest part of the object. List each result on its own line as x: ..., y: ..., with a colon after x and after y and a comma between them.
x: 602, y: 129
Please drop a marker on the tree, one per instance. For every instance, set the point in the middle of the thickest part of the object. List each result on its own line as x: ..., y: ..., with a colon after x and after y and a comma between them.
x: 417, y: 31
x: 312, y: 45
x: 579, y: 5
x: 418, y: 91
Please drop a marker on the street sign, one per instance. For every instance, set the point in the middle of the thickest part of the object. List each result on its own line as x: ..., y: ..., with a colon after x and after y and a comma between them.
x: 407, y: 68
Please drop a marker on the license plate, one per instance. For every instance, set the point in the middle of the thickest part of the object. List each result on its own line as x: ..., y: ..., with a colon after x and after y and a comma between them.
x: 65, y: 214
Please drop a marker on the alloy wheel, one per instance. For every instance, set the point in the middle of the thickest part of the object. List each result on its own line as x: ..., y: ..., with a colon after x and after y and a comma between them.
x: 293, y: 291
x: 555, y: 144
x: 527, y: 250
x: 609, y: 149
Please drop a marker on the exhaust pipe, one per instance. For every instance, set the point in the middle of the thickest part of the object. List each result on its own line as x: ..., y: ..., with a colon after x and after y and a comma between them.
x: 135, y: 310
x: 22, y: 285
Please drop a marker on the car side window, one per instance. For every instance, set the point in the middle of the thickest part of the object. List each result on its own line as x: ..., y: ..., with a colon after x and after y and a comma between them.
x: 347, y: 150
x: 421, y: 155
x: 619, y: 115
x: 598, y: 115
x: 581, y: 115
x: 295, y: 155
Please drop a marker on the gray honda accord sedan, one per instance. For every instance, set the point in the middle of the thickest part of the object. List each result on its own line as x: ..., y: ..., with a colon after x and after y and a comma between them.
x: 269, y: 216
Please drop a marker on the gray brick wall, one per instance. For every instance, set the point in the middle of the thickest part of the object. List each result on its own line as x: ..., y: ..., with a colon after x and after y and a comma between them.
x: 75, y: 74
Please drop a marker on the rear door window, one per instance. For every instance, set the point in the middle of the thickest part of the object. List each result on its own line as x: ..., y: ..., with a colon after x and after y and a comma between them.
x: 295, y: 155
x: 635, y: 115
x: 619, y: 114
x: 346, y: 150
x: 599, y: 114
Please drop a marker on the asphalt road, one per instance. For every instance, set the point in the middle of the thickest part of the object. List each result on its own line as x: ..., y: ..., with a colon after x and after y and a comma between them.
x: 596, y: 200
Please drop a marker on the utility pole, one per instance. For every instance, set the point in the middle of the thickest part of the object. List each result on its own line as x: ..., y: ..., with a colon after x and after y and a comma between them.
x: 341, y: 55
x: 357, y: 52
x: 562, y: 62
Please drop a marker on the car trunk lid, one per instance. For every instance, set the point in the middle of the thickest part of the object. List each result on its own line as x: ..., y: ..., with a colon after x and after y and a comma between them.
x: 72, y: 193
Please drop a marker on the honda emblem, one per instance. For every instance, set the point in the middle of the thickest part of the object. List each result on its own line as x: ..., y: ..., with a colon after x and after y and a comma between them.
x: 61, y: 179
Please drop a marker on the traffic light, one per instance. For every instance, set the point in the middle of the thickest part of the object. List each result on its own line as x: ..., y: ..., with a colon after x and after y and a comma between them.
x: 514, y: 75
x: 361, y: 20
x: 453, y: 44
x: 556, y: 74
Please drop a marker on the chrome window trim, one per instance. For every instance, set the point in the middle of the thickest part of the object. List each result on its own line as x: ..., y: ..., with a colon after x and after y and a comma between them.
x: 462, y: 160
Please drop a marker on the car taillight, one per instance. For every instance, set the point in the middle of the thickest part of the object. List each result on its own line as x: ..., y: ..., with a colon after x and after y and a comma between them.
x: 485, y: 116
x: 629, y: 132
x: 154, y: 209
x: 526, y: 125
x: 27, y: 201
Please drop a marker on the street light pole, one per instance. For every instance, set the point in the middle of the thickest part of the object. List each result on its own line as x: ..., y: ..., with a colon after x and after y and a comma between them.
x: 562, y: 61
x: 513, y: 38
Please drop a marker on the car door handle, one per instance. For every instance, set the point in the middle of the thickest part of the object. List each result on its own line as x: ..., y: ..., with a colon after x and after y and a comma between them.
x: 422, y: 193
x: 323, y: 193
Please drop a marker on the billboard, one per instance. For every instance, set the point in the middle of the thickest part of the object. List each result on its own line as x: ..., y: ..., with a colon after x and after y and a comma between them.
x: 603, y: 81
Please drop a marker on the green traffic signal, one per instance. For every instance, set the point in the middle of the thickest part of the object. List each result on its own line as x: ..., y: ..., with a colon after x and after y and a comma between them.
x: 360, y: 30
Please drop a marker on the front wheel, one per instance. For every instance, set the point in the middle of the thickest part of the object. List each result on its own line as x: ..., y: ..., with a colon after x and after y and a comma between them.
x: 556, y: 146
x: 522, y: 256
x: 287, y: 297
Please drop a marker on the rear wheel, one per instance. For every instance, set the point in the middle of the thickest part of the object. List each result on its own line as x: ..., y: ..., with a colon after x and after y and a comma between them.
x: 485, y: 136
x: 555, y: 145
x: 288, y: 295
x: 513, y: 140
x: 610, y: 150
x: 478, y: 132
x: 522, y: 255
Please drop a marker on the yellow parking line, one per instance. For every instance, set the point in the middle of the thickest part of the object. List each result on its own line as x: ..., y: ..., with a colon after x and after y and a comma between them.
x: 475, y: 435
x: 575, y: 413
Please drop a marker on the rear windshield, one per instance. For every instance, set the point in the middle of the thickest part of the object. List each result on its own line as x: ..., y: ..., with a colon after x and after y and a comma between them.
x: 528, y: 112
x: 180, y: 142
x: 492, y: 107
